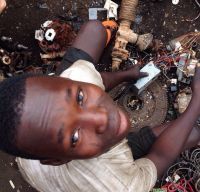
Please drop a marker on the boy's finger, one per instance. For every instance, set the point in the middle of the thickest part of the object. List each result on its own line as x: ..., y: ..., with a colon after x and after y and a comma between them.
x: 143, y: 74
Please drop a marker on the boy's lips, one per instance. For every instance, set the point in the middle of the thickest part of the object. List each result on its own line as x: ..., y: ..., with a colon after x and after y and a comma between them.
x: 124, y: 124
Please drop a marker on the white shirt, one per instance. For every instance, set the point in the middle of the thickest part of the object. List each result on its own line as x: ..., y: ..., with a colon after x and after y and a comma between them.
x: 114, y: 171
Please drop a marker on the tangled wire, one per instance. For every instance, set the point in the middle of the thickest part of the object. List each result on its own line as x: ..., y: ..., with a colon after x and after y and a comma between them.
x: 184, y: 176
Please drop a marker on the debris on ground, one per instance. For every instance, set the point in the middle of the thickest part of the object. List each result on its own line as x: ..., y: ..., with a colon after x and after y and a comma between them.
x: 184, y: 175
x: 14, y: 58
x: 54, y: 38
x: 163, y: 100
x: 156, y: 104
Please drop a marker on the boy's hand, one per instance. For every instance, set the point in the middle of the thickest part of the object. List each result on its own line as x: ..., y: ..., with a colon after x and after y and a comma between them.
x: 112, y: 79
x: 134, y: 73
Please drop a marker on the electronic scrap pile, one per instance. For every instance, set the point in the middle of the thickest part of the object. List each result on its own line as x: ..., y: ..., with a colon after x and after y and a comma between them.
x: 54, y: 37
x: 177, y: 62
x: 160, y: 97
x: 184, y: 175
x: 14, y: 58
x: 163, y: 97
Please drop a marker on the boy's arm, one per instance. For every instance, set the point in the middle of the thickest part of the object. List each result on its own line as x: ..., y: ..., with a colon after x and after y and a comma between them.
x: 171, y: 142
x: 111, y: 79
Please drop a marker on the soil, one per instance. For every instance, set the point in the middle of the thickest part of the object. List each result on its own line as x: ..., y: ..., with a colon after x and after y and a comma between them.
x: 22, y: 17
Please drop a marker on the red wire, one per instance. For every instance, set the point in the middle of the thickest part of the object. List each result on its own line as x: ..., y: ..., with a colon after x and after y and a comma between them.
x: 183, y: 185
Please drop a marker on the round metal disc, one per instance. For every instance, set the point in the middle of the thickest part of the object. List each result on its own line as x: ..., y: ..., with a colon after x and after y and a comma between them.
x: 147, y: 109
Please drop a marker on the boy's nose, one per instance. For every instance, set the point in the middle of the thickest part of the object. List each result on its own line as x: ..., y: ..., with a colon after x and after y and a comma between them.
x: 96, y: 117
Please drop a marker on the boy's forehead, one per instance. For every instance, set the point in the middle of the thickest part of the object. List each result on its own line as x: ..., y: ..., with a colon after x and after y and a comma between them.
x: 39, y: 104
x: 47, y: 81
x: 43, y: 94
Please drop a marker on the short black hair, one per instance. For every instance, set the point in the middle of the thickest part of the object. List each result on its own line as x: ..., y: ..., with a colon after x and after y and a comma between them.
x: 12, y: 96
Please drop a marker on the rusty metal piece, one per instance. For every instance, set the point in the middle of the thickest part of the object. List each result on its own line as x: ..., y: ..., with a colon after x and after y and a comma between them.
x: 61, y: 40
x: 156, y: 45
x: 144, y: 41
x: 183, y: 99
x: 147, y: 109
x: 128, y: 10
x: 6, y: 60
x: 5, y: 57
x: 13, y: 61
x: 20, y: 60
x: 125, y: 35
x: 52, y: 55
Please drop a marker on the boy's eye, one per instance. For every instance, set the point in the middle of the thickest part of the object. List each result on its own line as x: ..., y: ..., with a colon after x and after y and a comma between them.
x: 80, y: 97
x: 74, y: 138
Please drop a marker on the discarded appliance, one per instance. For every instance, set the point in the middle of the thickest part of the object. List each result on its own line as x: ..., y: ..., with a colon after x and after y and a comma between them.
x: 54, y: 38
x: 125, y: 34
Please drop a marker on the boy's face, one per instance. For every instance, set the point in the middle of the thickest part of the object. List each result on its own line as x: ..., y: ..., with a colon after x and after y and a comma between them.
x: 64, y: 120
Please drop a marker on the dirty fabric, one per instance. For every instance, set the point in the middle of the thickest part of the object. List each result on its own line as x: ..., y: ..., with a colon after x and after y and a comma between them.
x: 72, y: 55
x: 113, y: 171
x: 84, y: 71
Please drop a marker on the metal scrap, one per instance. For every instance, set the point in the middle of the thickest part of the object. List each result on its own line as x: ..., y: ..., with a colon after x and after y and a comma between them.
x: 147, y: 109
x: 184, y: 174
x: 175, y: 2
x: 55, y: 36
x: 15, y: 59
x: 183, y: 99
x: 191, y: 20
x: 52, y: 55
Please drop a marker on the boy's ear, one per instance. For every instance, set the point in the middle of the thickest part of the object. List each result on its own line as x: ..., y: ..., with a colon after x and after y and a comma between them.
x: 54, y: 162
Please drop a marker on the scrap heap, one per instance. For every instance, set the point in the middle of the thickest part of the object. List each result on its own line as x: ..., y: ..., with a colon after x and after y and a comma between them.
x: 14, y: 58
x: 177, y: 62
x: 54, y: 38
x: 158, y: 98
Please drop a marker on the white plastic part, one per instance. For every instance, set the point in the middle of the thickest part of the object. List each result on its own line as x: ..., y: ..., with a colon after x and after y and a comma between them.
x: 191, y: 65
x: 39, y: 35
x: 50, y: 34
x: 112, y: 8
x: 93, y: 13
x: 46, y: 24
x: 176, y: 177
x: 12, y: 184
x: 177, y: 46
x: 153, y: 72
x: 174, y: 81
x: 175, y: 2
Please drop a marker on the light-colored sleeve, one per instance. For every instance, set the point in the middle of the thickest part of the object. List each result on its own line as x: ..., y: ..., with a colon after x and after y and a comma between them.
x: 45, y: 178
x: 146, y: 175
x: 128, y: 175
x: 84, y: 71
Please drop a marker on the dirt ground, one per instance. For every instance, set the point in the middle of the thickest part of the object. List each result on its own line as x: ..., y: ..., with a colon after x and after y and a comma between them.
x: 22, y: 17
